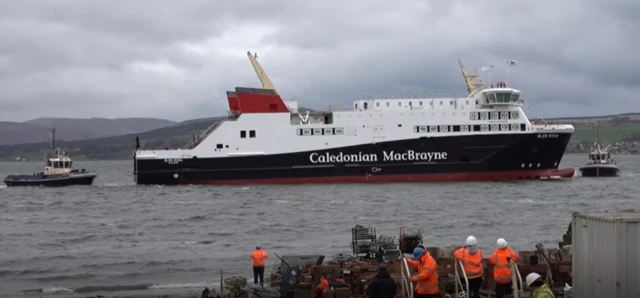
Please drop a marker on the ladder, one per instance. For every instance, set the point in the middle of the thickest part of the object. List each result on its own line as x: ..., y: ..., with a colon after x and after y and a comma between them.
x: 407, y: 285
x: 517, y: 280
x: 463, y: 290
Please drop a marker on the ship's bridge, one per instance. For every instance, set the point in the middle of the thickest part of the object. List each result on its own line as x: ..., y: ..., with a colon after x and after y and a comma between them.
x: 498, y: 97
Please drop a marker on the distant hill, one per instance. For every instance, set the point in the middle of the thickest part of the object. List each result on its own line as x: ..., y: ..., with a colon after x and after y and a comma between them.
x: 116, y: 147
x: 69, y: 129
x: 609, y: 118
x: 621, y: 127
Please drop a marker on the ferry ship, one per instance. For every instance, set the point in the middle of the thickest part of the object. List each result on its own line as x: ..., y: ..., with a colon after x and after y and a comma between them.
x: 484, y: 136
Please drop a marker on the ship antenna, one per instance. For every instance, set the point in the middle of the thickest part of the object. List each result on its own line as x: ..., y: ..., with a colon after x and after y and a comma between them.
x: 598, y: 132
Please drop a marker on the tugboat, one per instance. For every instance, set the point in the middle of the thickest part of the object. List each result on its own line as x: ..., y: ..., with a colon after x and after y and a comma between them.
x: 58, y: 171
x: 600, y: 163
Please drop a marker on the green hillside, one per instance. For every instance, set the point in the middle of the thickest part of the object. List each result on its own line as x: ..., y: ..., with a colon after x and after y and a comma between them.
x: 119, y: 147
x: 607, y: 132
x: 612, y: 128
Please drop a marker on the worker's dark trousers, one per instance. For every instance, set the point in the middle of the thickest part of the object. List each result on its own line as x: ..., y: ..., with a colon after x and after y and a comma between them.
x: 258, y: 273
x: 503, y: 290
x: 474, y: 286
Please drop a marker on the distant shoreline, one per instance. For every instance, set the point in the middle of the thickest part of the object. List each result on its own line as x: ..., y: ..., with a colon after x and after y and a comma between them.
x: 130, y: 159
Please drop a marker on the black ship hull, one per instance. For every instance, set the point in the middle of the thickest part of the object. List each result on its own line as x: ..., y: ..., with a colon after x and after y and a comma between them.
x: 603, y: 170
x: 451, y: 158
x: 52, y: 180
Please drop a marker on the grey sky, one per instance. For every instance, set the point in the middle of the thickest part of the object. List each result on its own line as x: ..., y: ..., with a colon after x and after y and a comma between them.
x: 174, y: 59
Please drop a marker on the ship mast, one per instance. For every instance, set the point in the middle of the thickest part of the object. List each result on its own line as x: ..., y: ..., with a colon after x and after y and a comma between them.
x: 469, y: 79
x: 262, y: 75
x: 597, y: 127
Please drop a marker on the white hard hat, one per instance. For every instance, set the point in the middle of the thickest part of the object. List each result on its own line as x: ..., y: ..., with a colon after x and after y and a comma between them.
x: 501, y: 243
x: 471, y: 240
x: 532, y: 277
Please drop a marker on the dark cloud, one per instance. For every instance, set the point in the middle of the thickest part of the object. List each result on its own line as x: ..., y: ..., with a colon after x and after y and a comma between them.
x: 175, y: 59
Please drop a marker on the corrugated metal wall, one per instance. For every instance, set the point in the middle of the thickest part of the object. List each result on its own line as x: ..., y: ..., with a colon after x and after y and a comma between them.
x: 606, y: 255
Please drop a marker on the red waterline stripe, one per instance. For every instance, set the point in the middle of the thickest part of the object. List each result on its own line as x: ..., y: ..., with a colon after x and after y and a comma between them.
x: 400, y: 178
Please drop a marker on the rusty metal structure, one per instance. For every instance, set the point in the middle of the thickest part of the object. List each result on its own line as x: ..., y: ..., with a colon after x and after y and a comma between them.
x: 298, y: 276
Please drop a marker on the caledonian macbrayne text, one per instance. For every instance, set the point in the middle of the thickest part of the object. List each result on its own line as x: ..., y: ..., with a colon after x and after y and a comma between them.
x: 409, y: 155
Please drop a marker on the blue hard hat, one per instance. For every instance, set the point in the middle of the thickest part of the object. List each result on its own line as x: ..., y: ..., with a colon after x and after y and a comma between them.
x: 418, y: 252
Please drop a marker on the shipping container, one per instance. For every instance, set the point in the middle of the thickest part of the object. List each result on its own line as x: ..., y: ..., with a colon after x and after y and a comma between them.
x: 606, y: 254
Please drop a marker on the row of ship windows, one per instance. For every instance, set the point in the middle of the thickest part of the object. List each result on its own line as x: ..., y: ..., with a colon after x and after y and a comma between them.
x: 466, y: 128
x: 423, y: 129
x: 319, y: 131
x: 504, y: 115
x: 411, y: 103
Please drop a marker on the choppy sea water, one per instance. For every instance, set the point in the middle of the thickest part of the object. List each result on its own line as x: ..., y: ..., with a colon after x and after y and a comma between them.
x: 118, y: 234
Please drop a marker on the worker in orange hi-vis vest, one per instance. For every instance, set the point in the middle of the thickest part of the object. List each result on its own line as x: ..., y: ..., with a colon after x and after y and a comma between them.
x: 501, y: 260
x: 427, y: 278
x: 258, y: 257
x: 471, y: 258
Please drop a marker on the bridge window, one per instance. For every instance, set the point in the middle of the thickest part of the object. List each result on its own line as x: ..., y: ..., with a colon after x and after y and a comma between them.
x: 515, y: 97
x: 503, y: 97
x: 243, y: 134
x: 252, y: 133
